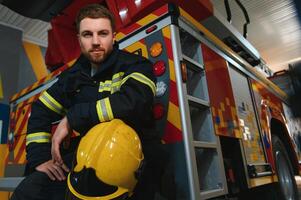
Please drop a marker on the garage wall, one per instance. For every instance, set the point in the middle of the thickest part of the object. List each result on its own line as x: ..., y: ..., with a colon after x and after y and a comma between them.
x: 21, y: 62
x: 26, y: 75
x: 11, y: 44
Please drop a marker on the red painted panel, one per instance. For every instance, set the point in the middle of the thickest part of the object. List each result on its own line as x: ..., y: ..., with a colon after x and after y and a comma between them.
x: 220, y: 94
x: 173, y: 94
x: 172, y: 134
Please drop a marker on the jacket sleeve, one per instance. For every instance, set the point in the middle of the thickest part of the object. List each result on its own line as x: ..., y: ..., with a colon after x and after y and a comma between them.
x: 46, y: 110
x: 132, y: 102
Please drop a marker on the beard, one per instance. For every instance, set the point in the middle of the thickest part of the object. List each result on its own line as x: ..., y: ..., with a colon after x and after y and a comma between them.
x: 97, y: 55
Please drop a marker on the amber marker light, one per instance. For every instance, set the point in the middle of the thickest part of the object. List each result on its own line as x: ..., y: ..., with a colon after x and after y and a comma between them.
x: 156, y: 49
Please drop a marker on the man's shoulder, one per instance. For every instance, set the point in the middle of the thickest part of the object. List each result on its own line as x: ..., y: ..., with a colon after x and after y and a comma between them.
x: 77, y: 66
x: 67, y: 71
x: 131, y: 57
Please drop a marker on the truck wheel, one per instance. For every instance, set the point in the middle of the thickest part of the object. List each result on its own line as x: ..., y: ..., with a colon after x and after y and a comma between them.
x: 286, y: 180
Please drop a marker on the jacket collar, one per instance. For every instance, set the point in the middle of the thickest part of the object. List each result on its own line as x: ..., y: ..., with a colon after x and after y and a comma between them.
x: 83, y: 63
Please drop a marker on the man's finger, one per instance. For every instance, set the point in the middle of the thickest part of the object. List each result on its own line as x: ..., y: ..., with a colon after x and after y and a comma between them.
x: 55, y: 172
x: 60, y: 172
x: 65, y: 168
x: 49, y: 174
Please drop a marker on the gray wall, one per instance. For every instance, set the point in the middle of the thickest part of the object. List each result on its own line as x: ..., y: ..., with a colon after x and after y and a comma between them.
x: 10, y: 47
x: 26, y: 74
x: 15, y: 68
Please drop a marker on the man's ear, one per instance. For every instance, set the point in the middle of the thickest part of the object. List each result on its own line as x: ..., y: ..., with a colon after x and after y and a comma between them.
x: 78, y: 38
x: 114, y: 37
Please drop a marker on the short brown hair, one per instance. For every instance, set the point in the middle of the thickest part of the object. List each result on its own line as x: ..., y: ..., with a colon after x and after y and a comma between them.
x: 94, y: 11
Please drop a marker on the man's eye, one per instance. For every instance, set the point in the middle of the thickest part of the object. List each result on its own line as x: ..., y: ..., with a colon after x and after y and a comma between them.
x: 87, y: 35
x: 103, y: 33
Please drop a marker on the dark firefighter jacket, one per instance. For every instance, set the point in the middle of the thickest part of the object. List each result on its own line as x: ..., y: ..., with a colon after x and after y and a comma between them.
x: 123, y: 87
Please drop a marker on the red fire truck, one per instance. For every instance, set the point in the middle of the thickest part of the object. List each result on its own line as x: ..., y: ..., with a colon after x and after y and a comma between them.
x: 228, y: 129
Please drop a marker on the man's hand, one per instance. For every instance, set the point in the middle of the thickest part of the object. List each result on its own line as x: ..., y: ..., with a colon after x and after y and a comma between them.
x: 53, y: 170
x: 60, y: 133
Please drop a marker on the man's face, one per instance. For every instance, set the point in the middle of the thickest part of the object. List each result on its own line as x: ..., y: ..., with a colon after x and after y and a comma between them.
x: 96, y: 39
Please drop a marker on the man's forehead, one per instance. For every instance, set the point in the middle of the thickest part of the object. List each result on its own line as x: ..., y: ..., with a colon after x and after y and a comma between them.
x: 95, y: 24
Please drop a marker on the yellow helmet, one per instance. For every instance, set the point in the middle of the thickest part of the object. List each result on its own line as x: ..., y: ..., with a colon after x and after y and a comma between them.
x: 106, y: 161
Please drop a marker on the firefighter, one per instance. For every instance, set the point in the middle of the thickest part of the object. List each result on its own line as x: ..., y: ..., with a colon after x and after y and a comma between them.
x: 105, y: 83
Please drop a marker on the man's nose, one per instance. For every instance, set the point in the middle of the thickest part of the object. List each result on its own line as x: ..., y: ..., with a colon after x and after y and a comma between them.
x: 95, y: 40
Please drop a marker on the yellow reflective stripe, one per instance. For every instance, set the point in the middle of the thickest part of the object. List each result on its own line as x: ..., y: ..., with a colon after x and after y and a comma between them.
x: 99, y: 111
x: 51, y: 103
x: 105, y: 86
x: 104, y: 110
x: 141, y: 78
x: 39, y: 137
x: 116, y: 82
x: 118, y: 75
x: 115, y: 87
x: 111, y: 85
x: 109, y: 108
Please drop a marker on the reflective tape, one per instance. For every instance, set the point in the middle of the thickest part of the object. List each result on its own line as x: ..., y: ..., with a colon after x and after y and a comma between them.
x: 104, y: 110
x: 51, y: 103
x: 108, y: 108
x: 39, y: 137
x: 105, y: 86
x: 141, y: 78
x: 116, y: 82
x: 111, y: 85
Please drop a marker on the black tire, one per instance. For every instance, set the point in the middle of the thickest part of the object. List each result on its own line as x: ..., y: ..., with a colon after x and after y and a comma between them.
x: 286, y: 181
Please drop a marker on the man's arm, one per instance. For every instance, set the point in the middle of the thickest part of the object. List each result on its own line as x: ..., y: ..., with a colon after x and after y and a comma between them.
x: 47, y: 109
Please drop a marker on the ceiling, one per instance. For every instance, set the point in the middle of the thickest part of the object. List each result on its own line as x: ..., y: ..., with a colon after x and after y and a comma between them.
x: 273, y: 30
x: 33, y: 30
